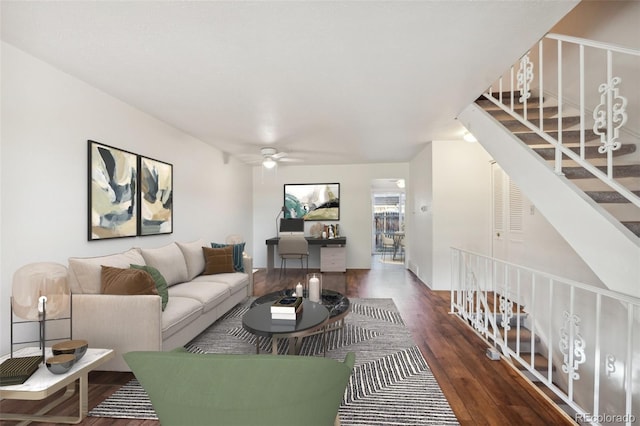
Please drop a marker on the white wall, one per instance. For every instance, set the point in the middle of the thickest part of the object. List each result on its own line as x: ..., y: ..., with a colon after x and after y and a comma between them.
x: 451, y: 180
x: 420, y: 215
x: 461, y: 204
x: 47, y: 117
x: 355, y: 204
x: 544, y: 249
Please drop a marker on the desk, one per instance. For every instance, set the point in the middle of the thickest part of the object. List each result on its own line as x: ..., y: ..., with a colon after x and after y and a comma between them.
x: 272, y: 243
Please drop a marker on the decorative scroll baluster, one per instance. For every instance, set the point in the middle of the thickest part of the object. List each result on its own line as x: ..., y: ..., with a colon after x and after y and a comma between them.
x: 471, y: 293
x: 525, y: 77
x: 611, y: 365
x: 610, y: 115
x: 506, y: 309
x: 571, y: 328
x: 475, y: 307
x: 479, y: 323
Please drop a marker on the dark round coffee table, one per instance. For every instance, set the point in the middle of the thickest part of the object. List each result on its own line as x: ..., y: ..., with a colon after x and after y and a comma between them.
x: 311, y: 320
x: 336, y: 303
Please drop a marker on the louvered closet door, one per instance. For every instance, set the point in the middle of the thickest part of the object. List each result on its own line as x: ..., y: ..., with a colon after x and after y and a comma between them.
x: 507, y: 216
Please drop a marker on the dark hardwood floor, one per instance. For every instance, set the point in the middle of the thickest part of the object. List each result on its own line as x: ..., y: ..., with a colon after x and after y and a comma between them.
x: 480, y: 391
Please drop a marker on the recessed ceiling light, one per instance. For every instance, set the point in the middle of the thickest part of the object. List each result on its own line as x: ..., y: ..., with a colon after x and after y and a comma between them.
x: 468, y: 136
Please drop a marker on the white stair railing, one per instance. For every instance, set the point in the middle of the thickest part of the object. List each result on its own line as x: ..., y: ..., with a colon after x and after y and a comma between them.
x: 586, y: 338
x: 587, y: 78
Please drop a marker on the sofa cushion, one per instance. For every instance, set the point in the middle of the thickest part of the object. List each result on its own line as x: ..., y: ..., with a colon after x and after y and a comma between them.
x: 238, y: 250
x: 181, y: 312
x: 235, y: 281
x: 158, y: 279
x: 194, y: 257
x: 209, y: 294
x: 218, y: 260
x: 169, y: 261
x: 126, y: 281
x: 84, y: 272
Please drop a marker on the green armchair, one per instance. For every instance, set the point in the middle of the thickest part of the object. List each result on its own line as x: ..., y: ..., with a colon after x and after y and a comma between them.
x: 220, y: 389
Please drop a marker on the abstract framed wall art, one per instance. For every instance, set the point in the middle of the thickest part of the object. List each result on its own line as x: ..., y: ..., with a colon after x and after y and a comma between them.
x: 156, y: 197
x: 112, y: 187
x: 312, y: 201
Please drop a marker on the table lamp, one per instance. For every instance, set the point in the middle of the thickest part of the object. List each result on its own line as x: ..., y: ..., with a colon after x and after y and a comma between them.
x: 39, y: 293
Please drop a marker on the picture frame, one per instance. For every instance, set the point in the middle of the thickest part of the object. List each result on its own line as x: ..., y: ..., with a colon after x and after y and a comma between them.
x: 112, y: 192
x: 155, y: 209
x: 312, y: 201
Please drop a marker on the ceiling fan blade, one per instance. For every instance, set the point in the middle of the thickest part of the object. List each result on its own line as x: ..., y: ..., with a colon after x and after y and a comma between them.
x: 291, y: 160
x: 279, y: 155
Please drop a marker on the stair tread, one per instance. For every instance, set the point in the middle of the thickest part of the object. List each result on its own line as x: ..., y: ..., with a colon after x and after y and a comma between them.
x: 568, y: 136
x: 532, y: 113
x: 525, y: 335
x: 626, y: 170
x: 492, y: 307
x: 540, y: 362
x: 550, y: 124
x: 590, y: 151
x: 609, y: 196
x: 633, y: 226
x: 506, y: 100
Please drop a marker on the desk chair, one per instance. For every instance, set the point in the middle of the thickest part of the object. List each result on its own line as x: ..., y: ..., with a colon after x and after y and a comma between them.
x: 293, y: 247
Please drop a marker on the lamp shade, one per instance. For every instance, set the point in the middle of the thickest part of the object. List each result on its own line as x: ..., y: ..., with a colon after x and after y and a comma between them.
x: 269, y: 163
x: 40, y: 279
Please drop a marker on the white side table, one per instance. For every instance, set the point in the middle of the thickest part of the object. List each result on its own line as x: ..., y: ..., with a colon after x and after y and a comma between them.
x: 43, y: 383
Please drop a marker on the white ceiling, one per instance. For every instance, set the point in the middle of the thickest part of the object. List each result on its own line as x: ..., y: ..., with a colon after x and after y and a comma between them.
x: 329, y: 82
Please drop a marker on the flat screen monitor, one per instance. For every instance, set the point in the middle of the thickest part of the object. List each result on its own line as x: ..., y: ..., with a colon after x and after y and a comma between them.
x: 294, y: 226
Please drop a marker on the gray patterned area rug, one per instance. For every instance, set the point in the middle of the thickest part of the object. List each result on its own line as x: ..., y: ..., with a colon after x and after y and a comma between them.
x: 391, y: 382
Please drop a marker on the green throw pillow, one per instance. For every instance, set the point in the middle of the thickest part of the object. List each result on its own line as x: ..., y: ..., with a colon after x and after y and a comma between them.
x: 161, y: 283
x: 238, y: 249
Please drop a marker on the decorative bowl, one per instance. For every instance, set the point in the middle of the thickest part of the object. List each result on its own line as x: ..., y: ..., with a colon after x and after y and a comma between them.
x: 60, y: 364
x: 77, y: 348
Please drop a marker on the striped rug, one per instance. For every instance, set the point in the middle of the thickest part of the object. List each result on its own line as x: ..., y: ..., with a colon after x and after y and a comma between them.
x: 391, y: 382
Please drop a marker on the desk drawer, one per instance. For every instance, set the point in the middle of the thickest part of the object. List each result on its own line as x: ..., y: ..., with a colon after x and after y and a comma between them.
x: 333, y: 259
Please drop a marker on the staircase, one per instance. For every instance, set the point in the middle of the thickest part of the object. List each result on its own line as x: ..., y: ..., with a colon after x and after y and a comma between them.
x: 574, y: 342
x: 523, y: 343
x: 575, y: 155
x: 529, y: 346
x: 626, y: 170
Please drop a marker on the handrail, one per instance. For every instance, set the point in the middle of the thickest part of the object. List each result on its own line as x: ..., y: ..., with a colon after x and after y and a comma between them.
x: 593, y: 43
x: 583, y: 335
x: 603, y: 99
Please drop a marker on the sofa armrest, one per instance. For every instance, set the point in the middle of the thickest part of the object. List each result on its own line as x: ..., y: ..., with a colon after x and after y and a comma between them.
x: 247, y: 263
x: 121, y: 323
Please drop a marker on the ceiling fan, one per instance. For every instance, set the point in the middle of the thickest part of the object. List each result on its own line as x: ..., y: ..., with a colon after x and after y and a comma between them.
x: 271, y: 156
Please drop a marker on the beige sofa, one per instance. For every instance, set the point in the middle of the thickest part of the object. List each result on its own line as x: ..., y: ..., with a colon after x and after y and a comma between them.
x: 136, y: 322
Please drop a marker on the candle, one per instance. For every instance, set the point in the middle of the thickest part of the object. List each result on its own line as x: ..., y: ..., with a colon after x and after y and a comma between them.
x: 299, y: 290
x: 314, y: 289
